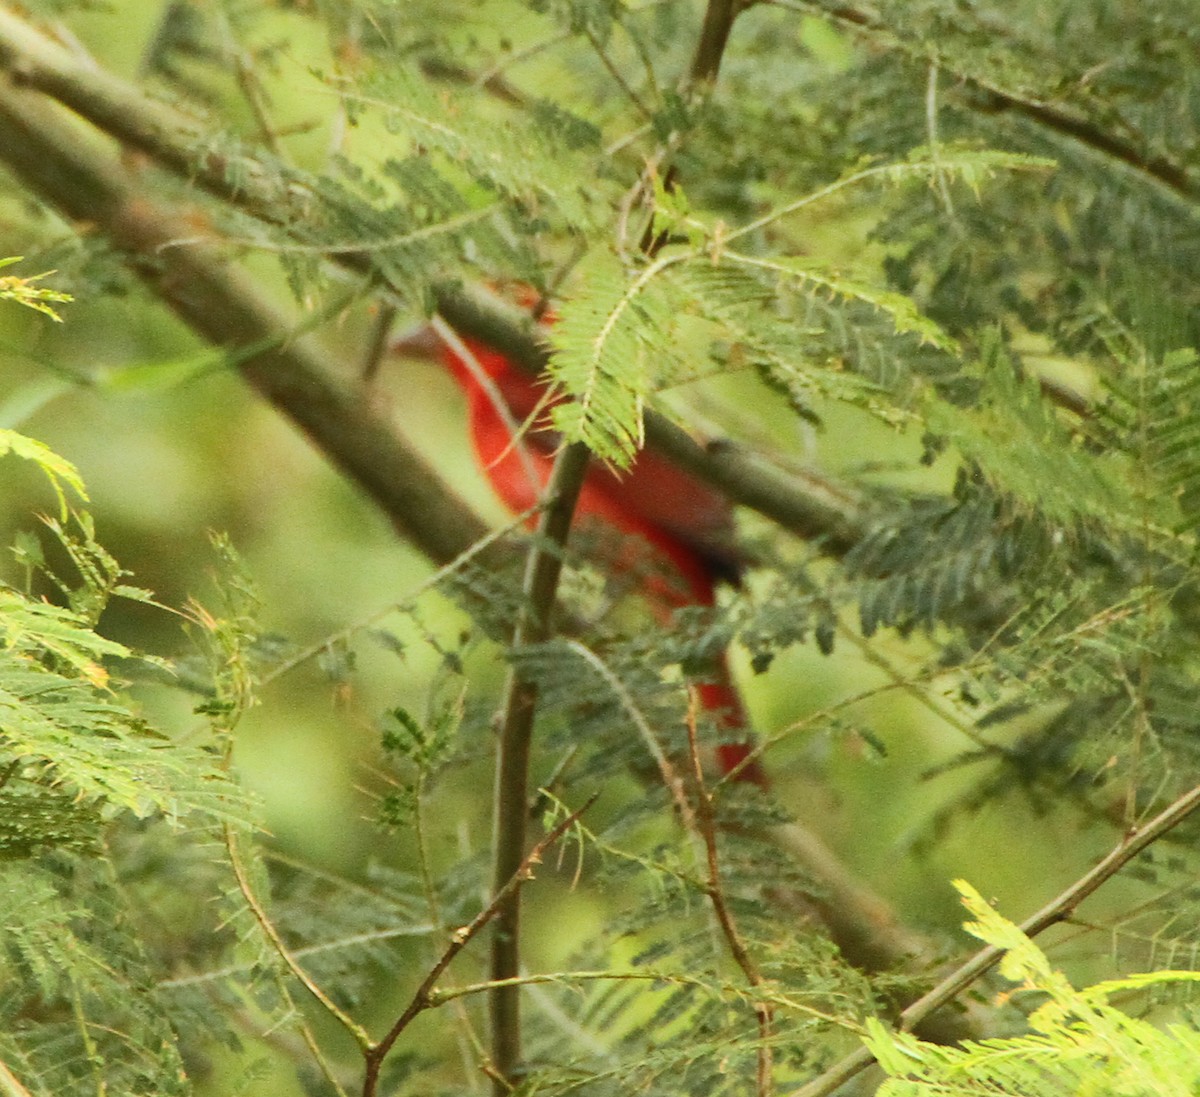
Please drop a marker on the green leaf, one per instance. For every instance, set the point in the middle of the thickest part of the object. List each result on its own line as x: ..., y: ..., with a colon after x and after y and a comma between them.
x: 608, y: 339
x: 59, y: 470
x: 24, y: 292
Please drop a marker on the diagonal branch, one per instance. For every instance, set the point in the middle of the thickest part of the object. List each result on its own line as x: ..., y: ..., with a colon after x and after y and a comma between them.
x: 290, y: 370
x: 808, y: 504
x: 425, y: 997
x: 1058, y: 909
x: 121, y: 109
x: 273, y: 935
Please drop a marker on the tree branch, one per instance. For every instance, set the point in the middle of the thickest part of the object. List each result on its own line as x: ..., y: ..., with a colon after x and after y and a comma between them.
x: 125, y: 112
x: 513, y: 756
x: 291, y: 371
x: 1058, y: 909
x: 424, y: 998
x: 706, y: 824
x: 807, y: 504
x: 714, y: 36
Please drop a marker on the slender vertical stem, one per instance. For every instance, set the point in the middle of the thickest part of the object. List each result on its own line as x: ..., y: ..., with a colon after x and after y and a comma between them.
x: 512, y: 762
x: 425, y: 996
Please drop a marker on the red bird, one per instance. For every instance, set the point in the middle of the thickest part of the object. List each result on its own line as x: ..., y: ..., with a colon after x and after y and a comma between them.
x: 678, y: 527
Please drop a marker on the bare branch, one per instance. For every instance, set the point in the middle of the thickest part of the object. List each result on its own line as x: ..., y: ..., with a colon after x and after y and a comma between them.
x: 714, y: 36
x: 288, y: 368
x: 424, y: 997
x: 542, y: 573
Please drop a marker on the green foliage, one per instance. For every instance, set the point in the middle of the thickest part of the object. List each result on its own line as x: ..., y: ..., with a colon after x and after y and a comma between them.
x: 81, y: 1011
x: 24, y: 292
x: 60, y: 471
x: 65, y: 731
x: 1080, y: 1043
x: 602, y: 343
x: 933, y: 264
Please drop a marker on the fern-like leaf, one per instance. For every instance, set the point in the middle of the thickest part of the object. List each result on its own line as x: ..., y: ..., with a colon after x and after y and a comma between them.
x: 1080, y: 1042
x: 610, y: 341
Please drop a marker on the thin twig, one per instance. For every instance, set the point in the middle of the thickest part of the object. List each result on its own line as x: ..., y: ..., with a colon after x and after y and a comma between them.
x: 246, y: 73
x: 632, y: 197
x: 723, y: 988
x: 671, y: 778
x: 1057, y: 910
x: 705, y: 821
x: 468, y: 1039
x: 424, y: 997
x: 309, y: 1039
x: 617, y: 75
x: 516, y: 431
x: 377, y: 342
x: 272, y: 934
x: 430, y: 582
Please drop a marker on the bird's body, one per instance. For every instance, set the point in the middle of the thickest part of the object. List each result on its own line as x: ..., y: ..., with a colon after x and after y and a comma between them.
x: 676, y: 530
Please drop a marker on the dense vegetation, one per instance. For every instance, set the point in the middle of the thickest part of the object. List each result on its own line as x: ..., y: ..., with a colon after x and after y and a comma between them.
x: 914, y: 285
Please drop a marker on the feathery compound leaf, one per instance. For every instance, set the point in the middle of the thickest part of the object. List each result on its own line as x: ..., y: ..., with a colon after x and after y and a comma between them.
x: 798, y: 343
x: 1175, y: 432
x: 71, y: 733
x: 934, y: 165
x: 58, y: 469
x: 62, y: 727
x: 1080, y: 1043
x: 972, y: 167
x: 606, y: 342
x: 533, y: 165
x: 1014, y: 436
x: 901, y: 310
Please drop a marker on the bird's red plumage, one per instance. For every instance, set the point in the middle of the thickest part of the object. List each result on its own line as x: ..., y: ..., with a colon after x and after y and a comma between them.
x: 677, y: 528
